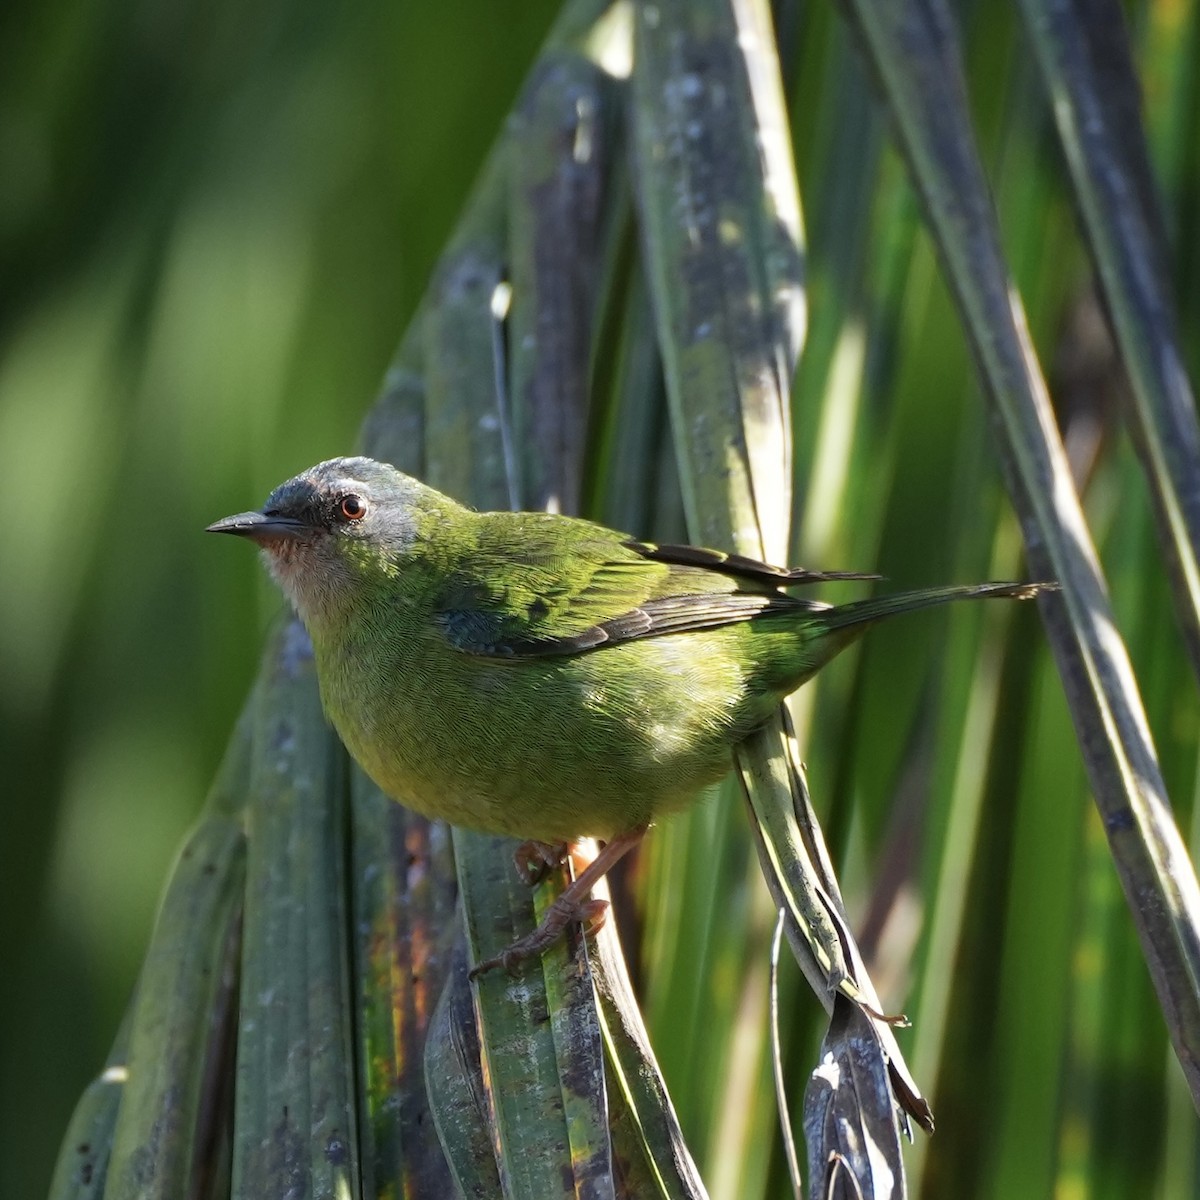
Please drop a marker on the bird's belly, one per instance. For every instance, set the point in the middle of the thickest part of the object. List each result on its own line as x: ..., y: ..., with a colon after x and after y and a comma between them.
x: 552, y: 749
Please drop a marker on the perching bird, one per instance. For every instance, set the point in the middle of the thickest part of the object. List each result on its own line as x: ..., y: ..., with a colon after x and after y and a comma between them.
x: 537, y: 675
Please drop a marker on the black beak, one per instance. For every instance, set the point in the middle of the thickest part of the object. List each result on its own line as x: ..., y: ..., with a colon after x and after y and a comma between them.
x: 261, y: 528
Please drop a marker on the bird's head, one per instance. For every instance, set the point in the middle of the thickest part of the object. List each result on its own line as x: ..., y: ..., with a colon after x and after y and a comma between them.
x: 334, y: 528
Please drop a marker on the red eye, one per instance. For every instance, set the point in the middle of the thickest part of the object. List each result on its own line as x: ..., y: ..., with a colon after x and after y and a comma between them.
x: 354, y: 508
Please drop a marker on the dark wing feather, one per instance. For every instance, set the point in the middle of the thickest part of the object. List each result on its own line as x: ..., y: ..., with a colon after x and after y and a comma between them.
x: 669, y: 614
x: 536, y: 586
x: 738, y: 565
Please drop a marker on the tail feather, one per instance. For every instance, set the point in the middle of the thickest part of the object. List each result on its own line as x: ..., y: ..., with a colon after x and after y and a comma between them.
x: 866, y: 612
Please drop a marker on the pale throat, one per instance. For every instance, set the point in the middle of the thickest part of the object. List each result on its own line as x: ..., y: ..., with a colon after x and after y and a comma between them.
x: 320, y: 587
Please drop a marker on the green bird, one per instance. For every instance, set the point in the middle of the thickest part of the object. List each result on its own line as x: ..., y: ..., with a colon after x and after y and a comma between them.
x: 537, y: 675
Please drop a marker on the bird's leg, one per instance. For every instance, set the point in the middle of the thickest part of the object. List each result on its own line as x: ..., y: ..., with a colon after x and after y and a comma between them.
x: 534, y: 859
x: 574, y: 904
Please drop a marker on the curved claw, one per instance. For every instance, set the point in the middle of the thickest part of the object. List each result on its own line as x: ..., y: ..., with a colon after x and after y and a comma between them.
x: 589, y: 913
x: 575, y: 904
x: 534, y: 860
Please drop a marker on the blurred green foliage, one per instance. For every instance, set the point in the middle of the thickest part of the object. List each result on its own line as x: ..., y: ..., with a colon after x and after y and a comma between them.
x: 214, y: 224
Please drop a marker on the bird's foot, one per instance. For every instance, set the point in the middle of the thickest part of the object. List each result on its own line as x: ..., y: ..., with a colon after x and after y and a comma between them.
x: 590, y: 913
x: 534, y: 860
x: 574, y: 904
